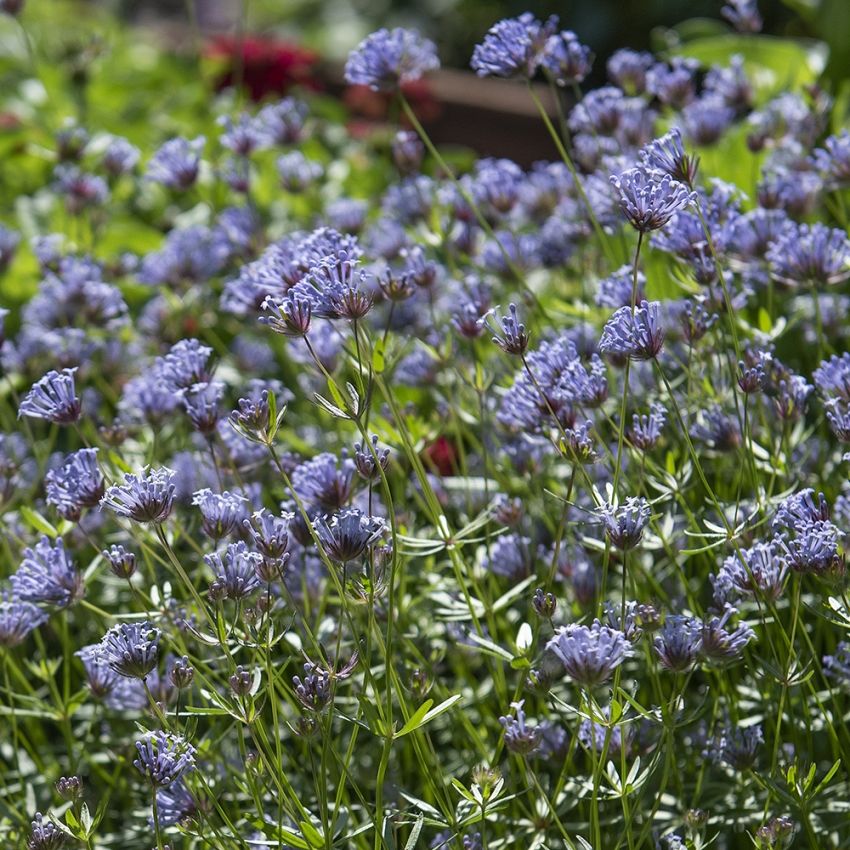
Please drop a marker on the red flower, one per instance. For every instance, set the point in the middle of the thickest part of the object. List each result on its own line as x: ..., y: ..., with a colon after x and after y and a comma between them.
x: 268, y: 66
x: 442, y: 456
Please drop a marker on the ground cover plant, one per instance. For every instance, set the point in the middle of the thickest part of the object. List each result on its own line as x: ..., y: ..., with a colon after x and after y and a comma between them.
x: 357, y: 494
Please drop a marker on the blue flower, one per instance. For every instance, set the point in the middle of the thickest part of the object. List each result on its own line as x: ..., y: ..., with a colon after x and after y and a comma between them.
x: 284, y: 121
x: 174, y: 804
x: 176, y: 163
x: 131, y: 649
x: 163, y: 757
x: 186, y: 364
x: 47, y: 576
x: 44, y: 835
x: 76, y: 484
x: 120, y: 157
x: 810, y: 254
x: 833, y: 160
x: 388, y: 59
x: 509, y: 556
x: 17, y: 620
x: 646, y: 428
x: 325, y: 481
x: 201, y: 403
x: 743, y: 15
x: 722, y: 645
x: 566, y: 59
x: 758, y: 573
x: 223, y: 513
x: 146, y: 497
x: 837, y: 666
x: 667, y: 155
x: 348, y: 534
x: 53, y: 398
x: 625, y: 523
x: 673, y: 84
x: 627, y: 68
x: 678, y: 643
x: 590, y: 654
x: 649, y: 202
x: 616, y: 289
x: 635, y: 334
x: 513, y: 47
x: 520, y: 738
x: 236, y: 570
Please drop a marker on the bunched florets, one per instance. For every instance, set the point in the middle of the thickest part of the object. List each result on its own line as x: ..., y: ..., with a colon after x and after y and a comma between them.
x: 146, y: 497
x: 590, y: 654
x: 387, y: 59
x: 163, y: 758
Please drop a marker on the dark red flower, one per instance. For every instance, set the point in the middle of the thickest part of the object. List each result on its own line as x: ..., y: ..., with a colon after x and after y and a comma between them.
x: 269, y: 67
x: 442, y: 456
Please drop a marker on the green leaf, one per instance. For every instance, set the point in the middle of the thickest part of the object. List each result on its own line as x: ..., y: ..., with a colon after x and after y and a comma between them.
x: 765, y: 323
x: 378, y: 358
x: 37, y: 521
x: 416, y: 719
x: 311, y: 834
x: 414, y: 833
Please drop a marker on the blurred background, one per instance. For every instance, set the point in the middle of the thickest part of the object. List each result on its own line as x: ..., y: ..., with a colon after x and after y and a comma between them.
x: 333, y: 27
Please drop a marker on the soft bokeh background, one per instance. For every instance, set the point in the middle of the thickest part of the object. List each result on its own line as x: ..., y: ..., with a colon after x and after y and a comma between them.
x: 334, y: 26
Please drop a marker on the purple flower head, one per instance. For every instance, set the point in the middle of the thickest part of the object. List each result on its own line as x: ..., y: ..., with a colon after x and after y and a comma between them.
x: 595, y: 736
x: 120, y: 157
x: 791, y: 398
x: 408, y: 151
x: 837, y: 666
x: 146, y: 497
x: 832, y: 377
x: 810, y: 254
x: 175, y: 804
x: 759, y: 572
x: 678, y: 643
x: 365, y: 460
x: 616, y: 289
x: 190, y: 255
x: 627, y: 68
x: 334, y: 287
x: 131, y: 649
x: 833, y: 160
x: 47, y: 576
x: 707, y: 119
x: 284, y: 121
x: 244, y: 135
x: 649, y: 202
x: 635, y: 334
x: 76, y: 484
x: 101, y: 678
x: 509, y: 556
x: 590, y: 654
x: 236, y: 570
x: 222, y: 512
x: 625, y: 523
x: 730, y: 84
x: 201, y: 403
x: 314, y: 691
x: 673, y: 84
x: 44, y: 835
x: 519, y: 737
x: 53, y: 398
x: 743, y: 15
x: 121, y: 562
x: 666, y: 155
x: 186, y: 364
x: 514, y: 338
x: 291, y: 317
x: 388, y: 59
x: 9, y: 241
x: 269, y: 533
x: 717, y: 429
x: 722, y: 645
x: 838, y: 416
x: 176, y: 163
x: 646, y: 428
x: 696, y: 320
x: 513, y: 47
x: 736, y: 746
x: 325, y: 481
x: 348, y: 534
x: 799, y: 511
x: 296, y: 172
x: 163, y: 758
x: 80, y: 189
x: 566, y: 59
x: 815, y: 549
x: 17, y: 620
